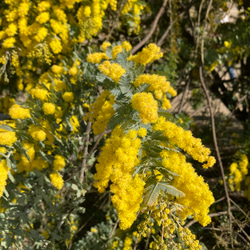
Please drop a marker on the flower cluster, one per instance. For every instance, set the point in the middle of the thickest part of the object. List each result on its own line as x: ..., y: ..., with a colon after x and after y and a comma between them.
x: 134, y: 7
x: 17, y: 112
x: 7, y: 137
x: 148, y: 55
x: 238, y: 171
x: 56, y: 180
x: 119, y: 48
x: 112, y: 70
x: 198, y: 197
x: 116, y: 163
x: 185, y: 140
x: 146, y: 105
x: 36, y: 33
x: 101, y: 112
x: 159, y: 85
x: 4, y: 175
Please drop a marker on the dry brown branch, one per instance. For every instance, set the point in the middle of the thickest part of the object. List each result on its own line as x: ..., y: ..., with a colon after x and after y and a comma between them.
x: 198, y: 25
x: 204, y: 32
x: 189, y: 224
x: 217, y: 151
x: 85, y: 153
x: 239, y: 208
x: 219, y: 200
x: 99, y: 137
x: 150, y: 33
x: 113, y: 230
x: 165, y: 34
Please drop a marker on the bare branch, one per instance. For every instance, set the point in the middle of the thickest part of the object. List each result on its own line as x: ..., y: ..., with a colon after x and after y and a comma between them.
x: 217, y: 151
x: 85, y: 153
x: 154, y: 25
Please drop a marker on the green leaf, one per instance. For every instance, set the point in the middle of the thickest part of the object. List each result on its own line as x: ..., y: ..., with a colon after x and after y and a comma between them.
x: 100, y: 77
x: 12, y: 179
x: 129, y: 124
x: 153, y: 191
x: 7, y: 127
x: 143, y: 87
x: 109, y: 52
x: 115, y: 91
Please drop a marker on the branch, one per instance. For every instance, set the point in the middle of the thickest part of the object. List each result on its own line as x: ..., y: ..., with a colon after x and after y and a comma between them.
x: 98, y: 140
x: 85, y: 153
x: 189, y: 224
x: 113, y: 230
x: 154, y: 25
x: 217, y: 152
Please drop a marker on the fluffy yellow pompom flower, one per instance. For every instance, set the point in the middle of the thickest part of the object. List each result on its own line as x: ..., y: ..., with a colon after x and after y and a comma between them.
x: 55, y: 46
x: 17, y: 112
x: 39, y: 93
x: 43, y: 17
x: 56, y: 180
x: 37, y: 133
x: 156, y: 82
x: 142, y: 132
x: 96, y: 57
x: 4, y: 175
x: 9, y: 42
x: 57, y: 69
x: 146, y: 105
x: 238, y: 171
x: 147, y: 55
x: 126, y: 45
x: 227, y: 44
x: 30, y: 151
x: 49, y: 108
x: 87, y: 11
x: 101, y: 112
x: 59, y: 162
x: 7, y: 137
x: 68, y: 96
x: 116, y: 50
x: 105, y: 45
x: 73, y: 70
x: 11, y: 30
x: 41, y: 34
x: 112, y: 70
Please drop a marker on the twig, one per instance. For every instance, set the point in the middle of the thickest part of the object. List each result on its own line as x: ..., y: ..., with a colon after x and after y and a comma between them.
x: 242, y: 230
x: 202, y: 38
x: 198, y: 25
x: 113, y: 230
x: 239, y: 208
x: 197, y: 111
x: 217, y: 152
x: 154, y: 25
x: 247, y: 242
x: 85, y: 153
x: 98, y: 140
x: 190, y: 223
x: 219, y: 200
x: 114, y: 22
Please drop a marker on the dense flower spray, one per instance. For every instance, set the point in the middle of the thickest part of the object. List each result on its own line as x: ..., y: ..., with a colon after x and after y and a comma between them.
x: 126, y: 157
